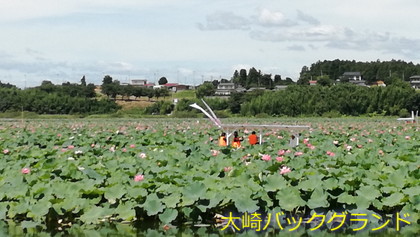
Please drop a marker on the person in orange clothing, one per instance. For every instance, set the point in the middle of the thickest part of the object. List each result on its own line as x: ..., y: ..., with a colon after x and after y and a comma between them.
x: 222, y: 140
x: 236, y: 140
x: 253, y: 138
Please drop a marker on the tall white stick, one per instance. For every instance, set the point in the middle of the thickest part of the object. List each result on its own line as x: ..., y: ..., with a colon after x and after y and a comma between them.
x: 207, y: 114
x: 212, y: 113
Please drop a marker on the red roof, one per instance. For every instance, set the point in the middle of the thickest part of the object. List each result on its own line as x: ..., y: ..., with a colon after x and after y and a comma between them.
x: 171, y: 84
x: 312, y: 82
x: 149, y: 84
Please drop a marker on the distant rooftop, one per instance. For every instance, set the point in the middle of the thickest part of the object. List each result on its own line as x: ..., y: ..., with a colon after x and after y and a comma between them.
x: 352, y: 74
x: 415, y: 78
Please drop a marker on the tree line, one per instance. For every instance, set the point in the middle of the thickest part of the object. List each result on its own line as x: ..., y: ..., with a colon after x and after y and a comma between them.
x: 387, y: 71
x: 113, y: 88
x: 68, y: 98
x: 255, y: 78
x: 342, y: 99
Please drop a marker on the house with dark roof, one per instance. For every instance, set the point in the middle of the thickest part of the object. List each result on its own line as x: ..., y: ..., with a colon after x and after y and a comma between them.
x: 227, y: 88
x: 352, y: 76
x: 176, y: 87
x: 415, y: 82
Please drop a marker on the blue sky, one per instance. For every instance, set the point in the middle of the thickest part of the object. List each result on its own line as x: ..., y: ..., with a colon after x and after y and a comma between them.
x: 188, y: 41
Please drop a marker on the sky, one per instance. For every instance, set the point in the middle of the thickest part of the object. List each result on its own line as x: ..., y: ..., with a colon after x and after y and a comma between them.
x: 190, y: 41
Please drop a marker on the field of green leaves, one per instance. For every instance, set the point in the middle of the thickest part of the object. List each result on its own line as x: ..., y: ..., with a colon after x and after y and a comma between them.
x: 165, y: 174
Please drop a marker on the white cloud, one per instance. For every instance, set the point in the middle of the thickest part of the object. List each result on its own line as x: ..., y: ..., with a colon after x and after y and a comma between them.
x: 269, y: 18
x: 224, y: 21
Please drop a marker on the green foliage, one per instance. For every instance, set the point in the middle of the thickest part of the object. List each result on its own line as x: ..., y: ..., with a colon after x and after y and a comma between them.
x: 40, y: 101
x: 160, y: 107
x: 84, y: 172
x: 345, y: 99
x: 388, y: 71
x: 162, y: 81
x: 206, y: 89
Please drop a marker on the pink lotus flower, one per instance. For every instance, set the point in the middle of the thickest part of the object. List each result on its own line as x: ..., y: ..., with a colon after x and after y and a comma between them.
x: 214, y: 152
x: 25, y: 171
x: 381, y: 152
x: 92, y: 145
x: 112, y: 149
x: 352, y: 139
x: 266, y: 157
x: 288, y: 151
x: 142, y: 155
x: 59, y: 135
x: 298, y: 153
x: 6, y: 151
x: 407, y: 137
x: 63, y: 149
x: 359, y: 146
x: 285, y: 170
x: 305, y: 141
x: 138, y: 178
x: 227, y: 168
x: 330, y: 153
x: 370, y: 140
x: 280, y: 137
x: 124, y: 149
x: 70, y: 146
x: 335, y: 142
x: 132, y: 146
x: 349, y: 148
x: 312, y: 147
x: 281, y: 152
x: 280, y: 158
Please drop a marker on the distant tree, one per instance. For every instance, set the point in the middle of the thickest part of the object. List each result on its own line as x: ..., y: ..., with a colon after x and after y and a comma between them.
x: 206, y: 89
x: 242, y: 77
x: 324, y: 80
x: 161, y: 92
x: 149, y: 92
x: 7, y: 85
x: 224, y: 81
x: 162, y: 81
x: 235, y: 78
x: 277, y: 79
x: 254, y: 77
x: 289, y: 81
x: 107, y: 80
x: 266, y: 81
x: 83, y: 81
x: 235, y: 101
x: 127, y: 91
x: 115, y: 89
x: 90, y: 90
x: 138, y: 92
x: 47, y: 86
x: 215, y: 83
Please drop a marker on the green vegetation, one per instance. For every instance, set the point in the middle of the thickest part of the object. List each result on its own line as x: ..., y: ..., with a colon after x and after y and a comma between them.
x: 330, y: 98
x: 54, y: 99
x: 387, y: 71
x: 171, y: 172
x: 344, y: 99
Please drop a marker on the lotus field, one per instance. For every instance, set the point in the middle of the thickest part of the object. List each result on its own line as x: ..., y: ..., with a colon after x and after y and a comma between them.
x: 169, y: 172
